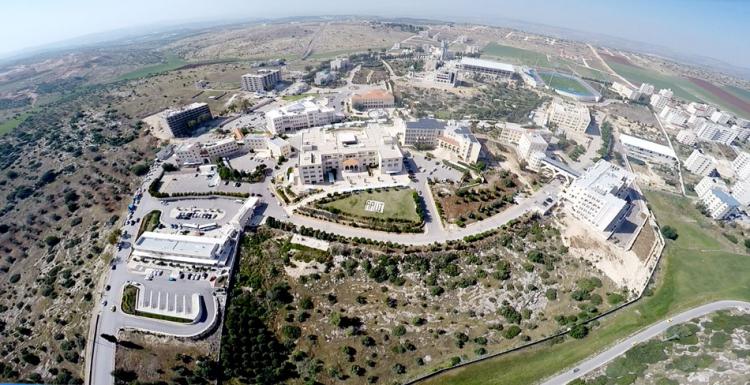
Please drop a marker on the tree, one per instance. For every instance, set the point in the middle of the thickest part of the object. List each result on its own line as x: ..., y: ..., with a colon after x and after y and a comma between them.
x: 579, y: 331
x: 669, y: 232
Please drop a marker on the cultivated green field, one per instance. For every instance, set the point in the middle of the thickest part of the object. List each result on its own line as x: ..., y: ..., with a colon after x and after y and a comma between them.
x: 173, y: 62
x: 700, y: 266
x: 738, y: 92
x: 515, y: 55
x: 333, y: 54
x: 399, y: 204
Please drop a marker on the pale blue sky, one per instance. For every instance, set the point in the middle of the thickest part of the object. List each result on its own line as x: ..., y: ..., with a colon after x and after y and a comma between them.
x: 718, y: 28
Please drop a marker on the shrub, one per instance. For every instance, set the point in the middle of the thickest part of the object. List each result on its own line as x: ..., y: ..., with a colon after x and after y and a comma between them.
x: 399, y: 331
x: 669, y: 232
x: 579, y: 331
x: 511, y: 331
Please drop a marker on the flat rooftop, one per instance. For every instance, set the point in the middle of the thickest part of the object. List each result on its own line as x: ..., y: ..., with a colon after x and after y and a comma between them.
x: 474, y: 62
x: 180, y: 245
x: 645, y: 144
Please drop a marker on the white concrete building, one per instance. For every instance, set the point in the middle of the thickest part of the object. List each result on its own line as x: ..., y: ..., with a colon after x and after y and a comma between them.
x: 648, y: 151
x: 674, y: 116
x: 474, y: 66
x: 658, y: 102
x: 741, y: 166
x: 646, y: 89
x: 741, y: 191
x: 324, y: 77
x: 720, y: 117
x: 530, y: 146
x: 189, y: 249
x: 326, y: 153
x: 571, y: 117
x: 719, y: 204
x: 598, y: 197
x: 199, y: 153
x: 711, y: 132
x: 256, y: 142
x: 301, y: 114
x: 687, y: 137
x: 700, y: 164
x: 700, y: 109
x: 279, y: 147
x: 447, y: 76
x: 625, y: 91
x: 340, y: 64
x: 708, y: 183
x: 262, y: 80
x: 455, y: 137
x: 375, y: 98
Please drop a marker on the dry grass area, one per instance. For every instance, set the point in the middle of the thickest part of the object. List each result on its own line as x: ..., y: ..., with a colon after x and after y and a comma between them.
x: 158, y: 358
x: 644, y: 242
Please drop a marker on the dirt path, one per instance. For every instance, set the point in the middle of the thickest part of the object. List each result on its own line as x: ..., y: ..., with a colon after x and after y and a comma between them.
x: 611, y: 71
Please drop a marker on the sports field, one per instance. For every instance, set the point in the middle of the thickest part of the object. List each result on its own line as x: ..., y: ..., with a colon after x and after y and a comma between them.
x: 563, y: 83
x: 515, y: 55
x: 399, y: 204
x: 701, y: 266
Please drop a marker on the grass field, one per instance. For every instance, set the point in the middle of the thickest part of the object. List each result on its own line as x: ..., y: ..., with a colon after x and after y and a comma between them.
x: 515, y: 55
x: 738, y: 92
x: 292, y: 98
x: 563, y: 83
x: 150, y: 222
x: 399, y: 204
x: 333, y: 54
x: 699, y: 267
x: 130, y: 295
x: 173, y: 62
x: 9, y: 125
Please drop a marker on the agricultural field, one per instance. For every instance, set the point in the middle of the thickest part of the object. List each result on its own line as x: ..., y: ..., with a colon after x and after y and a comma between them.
x: 711, y: 349
x: 700, y: 266
x: 405, y: 311
x: 515, y: 55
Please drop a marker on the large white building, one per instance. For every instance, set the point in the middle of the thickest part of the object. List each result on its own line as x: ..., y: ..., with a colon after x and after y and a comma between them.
x: 301, y: 114
x: 720, y: 204
x: 199, y: 153
x: 625, y: 91
x: 598, y: 197
x: 649, y: 151
x: 455, y: 137
x: 532, y: 148
x: 375, y: 98
x: 262, y: 80
x: 491, y: 68
x: 708, y: 183
x: 340, y: 64
x: 687, y: 137
x: 571, y: 117
x: 741, y: 166
x: 674, y: 116
x: 324, y: 154
x: 700, y: 164
x: 711, y: 132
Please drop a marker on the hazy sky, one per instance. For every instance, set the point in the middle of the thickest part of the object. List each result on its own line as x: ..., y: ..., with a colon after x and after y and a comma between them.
x: 718, y: 28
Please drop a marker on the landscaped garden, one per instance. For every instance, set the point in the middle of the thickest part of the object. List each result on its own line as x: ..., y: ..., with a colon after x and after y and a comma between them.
x: 129, y: 298
x: 395, y: 209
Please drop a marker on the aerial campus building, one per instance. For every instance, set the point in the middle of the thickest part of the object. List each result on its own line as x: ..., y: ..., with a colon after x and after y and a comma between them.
x: 325, y: 154
x: 532, y: 148
x: 199, y: 153
x: 262, y: 80
x: 182, y: 121
x: 375, y: 98
x: 214, y: 249
x: 454, y: 137
x: 648, y: 151
x: 715, y: 198
x: 699, y: 163
x: 301, y: 114
x: 484, y: 67
x: 571, y: 117
x: 598, y: 197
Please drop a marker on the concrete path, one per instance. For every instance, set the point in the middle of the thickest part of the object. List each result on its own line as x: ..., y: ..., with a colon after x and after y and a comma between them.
x: 653, y: 331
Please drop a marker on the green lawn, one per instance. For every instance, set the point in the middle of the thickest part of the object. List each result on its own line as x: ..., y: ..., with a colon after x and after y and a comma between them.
x: 173, y: 62
x: 515, y: 55
x: 150, y: 222
x: 699, y: 267
x: 9, y: 125
x: 293, y: 98
x: 399, y: 204
x: 738, y: 92
x: 130, y: 295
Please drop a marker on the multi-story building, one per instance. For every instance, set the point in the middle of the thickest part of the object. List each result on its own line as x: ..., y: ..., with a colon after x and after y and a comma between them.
x: 741, y: 166
x: 340, y: 64
x: 324, y: 77
x: 700, y: 109
x: 742, y: 133
x: 687, y: 137
x: 183, y: 121
x: 658, y: 102
x: 674, y: 116
x: 458, y: 139
x: 711, y: 132
x: 646, y: 89
x: 421, y: 132
x: 708, y: 183
x: 649, y: 151
x: 572, y: 118
x: 262, y: 80
x: 700, y: 164
x: 279, y: 147
x: 256, y: 142
x: 626, y: 91
x: 375, y: 98
x: 301, y: 114
x: 599, y: 196
x: 720, y: 117
x: 446, y: 76
x: 326, y: 153
x: 532, y: 148
x: 494, y: 69
x: 719, y: 204
x: 511, y: 133
x: 741, y: 191
x: 454, y: 137
x: 198, y: 153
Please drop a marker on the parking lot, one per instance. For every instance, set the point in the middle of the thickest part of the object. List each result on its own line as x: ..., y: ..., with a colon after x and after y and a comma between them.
x: 433, y: 169
x: 180, y: 212
x: 197, y: 183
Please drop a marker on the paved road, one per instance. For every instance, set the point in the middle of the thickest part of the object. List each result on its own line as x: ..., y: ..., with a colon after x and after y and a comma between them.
x: 645, y: 335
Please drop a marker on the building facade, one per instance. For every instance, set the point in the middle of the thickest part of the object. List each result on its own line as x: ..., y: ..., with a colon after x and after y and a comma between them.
x: 182, y: 122
x: 262, y: 80
x: 302, y: 114
x: 741, y: 166
x: 375, y: 98
x: 572, y: 118
x: 530, y: 146
x: 700, y: 164
x: 474, y: 66
x: 648, y: 151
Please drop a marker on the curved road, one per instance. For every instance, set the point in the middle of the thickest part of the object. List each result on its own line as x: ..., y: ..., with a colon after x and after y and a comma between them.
x: 645, y: 335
